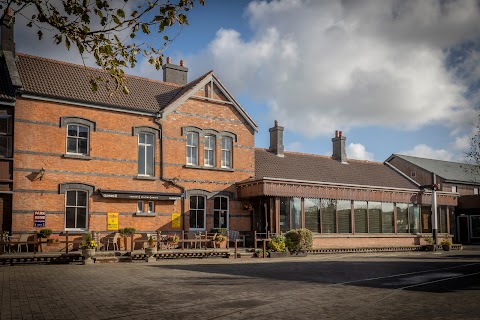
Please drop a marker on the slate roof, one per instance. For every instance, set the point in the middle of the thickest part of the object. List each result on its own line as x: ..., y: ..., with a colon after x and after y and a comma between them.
x: 453, y: 171
x: 315, y: 168
x: 67, y: 81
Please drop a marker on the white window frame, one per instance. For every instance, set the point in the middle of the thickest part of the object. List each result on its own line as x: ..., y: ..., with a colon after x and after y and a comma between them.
x: 209, y: 149
x: 475, y: 191
x: 192, y: 149
x: 140, y: 206
x: 151, y: 207
x: 77, y: 138
x: 227, y: 153
x: 204, y: 212
x: 454, y: 189
x: 146, y: 146
x: 219, y: 211
x: 76, y: 206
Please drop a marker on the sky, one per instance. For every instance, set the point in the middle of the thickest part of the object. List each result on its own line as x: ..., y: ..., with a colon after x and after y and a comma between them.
x: 395, y: 76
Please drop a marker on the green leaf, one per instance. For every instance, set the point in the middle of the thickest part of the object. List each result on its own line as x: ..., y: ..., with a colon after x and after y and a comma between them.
x: 125, y: 90
x: 40, y: 34
x: 132, y: 35
x: 145, y: 29
x: 115, y: 19
x: 165, y: 37
x: 67, y: 43
x: 120, y: 13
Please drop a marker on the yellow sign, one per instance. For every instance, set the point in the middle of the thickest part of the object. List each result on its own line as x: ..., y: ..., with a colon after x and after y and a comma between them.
x: 112, y: 221
x: 175, y: 220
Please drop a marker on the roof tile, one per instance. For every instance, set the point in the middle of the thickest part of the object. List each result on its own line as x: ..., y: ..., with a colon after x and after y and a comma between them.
x: 315, y: 168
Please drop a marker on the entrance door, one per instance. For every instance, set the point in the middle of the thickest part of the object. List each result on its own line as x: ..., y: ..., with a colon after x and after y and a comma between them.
x: 462, y: 229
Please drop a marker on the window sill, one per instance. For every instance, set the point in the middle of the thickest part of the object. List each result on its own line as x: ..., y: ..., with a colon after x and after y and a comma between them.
x: 189, y: 166
x: 149, y: 178
x: 145, y: 214
x: 77, y: 156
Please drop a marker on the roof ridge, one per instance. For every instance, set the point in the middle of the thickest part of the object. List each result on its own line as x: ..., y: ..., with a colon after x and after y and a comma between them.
x: 430, y: 159
x: 98, y: 69
x: 324, y: 157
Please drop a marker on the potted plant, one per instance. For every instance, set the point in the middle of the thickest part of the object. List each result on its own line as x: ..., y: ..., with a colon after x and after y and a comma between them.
x: 88, y: 248
x: 152, y: 248
x: 220, y: 240
x: 125, y: 233
x: 172, y: 241
x: 430, y: 242
x: 53, y: 240
x: 277, y: 247
x: 446, y: 244
x: 45, y: 233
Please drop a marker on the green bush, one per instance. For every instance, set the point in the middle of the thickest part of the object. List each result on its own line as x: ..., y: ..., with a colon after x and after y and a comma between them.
x: 299, y: 240
x: 45, y: 233
x: 127, y: 232
x: 277, y: 244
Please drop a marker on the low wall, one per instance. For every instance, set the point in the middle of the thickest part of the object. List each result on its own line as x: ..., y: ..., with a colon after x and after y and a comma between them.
x: 371, y: 241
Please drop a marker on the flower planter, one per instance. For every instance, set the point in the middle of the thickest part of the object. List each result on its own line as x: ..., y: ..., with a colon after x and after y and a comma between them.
x: 150, y: 251
x: 429, y: 247
x: 87, y: 255
x: 446, y: 247
x: 221, y: 244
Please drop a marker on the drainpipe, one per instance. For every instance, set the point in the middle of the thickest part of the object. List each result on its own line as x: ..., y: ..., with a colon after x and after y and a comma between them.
x: 162, y: 170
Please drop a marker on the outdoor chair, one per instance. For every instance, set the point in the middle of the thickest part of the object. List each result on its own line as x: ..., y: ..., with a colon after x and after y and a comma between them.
x: 23, y: 242
x: 113, y: 240
x: 235, y: 235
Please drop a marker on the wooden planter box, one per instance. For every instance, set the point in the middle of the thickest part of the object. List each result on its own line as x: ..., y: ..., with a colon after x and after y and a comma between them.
x: 279, y: 254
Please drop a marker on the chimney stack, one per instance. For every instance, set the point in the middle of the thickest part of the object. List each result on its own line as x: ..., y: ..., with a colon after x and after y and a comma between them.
x: 276, y: 140
x: 6, y: 30
x: 339, y: 153
x: 175, y: 73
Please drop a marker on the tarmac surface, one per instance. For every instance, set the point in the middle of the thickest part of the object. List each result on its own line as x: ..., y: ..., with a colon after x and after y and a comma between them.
x: 407, y: 285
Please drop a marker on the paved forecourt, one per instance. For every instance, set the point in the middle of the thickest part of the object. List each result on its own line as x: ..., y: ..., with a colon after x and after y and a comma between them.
x: 410, y: 285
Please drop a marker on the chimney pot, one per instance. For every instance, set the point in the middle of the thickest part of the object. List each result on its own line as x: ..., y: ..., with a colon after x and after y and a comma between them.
x: 339, y: 147
x: 276, y: 140
x: 175, y: 73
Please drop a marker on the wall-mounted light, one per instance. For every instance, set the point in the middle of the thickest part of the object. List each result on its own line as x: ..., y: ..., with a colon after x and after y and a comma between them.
x: 40, y: 174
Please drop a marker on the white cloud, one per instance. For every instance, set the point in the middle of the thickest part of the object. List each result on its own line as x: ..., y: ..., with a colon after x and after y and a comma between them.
x: 424, y: 151
x: 358, y: 151
x: 322, y: 65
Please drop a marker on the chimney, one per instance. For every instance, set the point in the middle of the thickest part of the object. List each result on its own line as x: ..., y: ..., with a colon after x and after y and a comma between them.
x: 276, y: 140
x: 339, y: 147
x: 6, y: 30
x: 175, y: 73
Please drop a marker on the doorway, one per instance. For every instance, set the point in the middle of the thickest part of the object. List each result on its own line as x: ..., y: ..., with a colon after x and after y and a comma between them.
x: 463, y: 234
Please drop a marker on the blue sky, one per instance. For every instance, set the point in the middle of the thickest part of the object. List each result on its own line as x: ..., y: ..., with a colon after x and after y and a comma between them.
x: 394, y: 76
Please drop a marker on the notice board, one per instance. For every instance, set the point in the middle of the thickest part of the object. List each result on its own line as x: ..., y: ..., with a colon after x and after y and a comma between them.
x: 112, y: 220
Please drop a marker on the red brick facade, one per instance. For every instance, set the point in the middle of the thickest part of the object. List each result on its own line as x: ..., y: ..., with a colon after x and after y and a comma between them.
x: 40, y: 142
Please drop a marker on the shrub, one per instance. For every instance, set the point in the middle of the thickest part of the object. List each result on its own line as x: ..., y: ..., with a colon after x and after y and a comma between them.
x: 127, y: 232
x: 299, y: 239
x: 445, y: 242
x: 429, y: 240
x: 45, y: 233
x: 277, y: 244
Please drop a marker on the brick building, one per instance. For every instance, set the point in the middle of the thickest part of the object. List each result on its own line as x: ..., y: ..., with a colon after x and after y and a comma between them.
x: 177, y: 155
x: 346, y: 203
x: 457, y: 178
x: 166, y: 156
